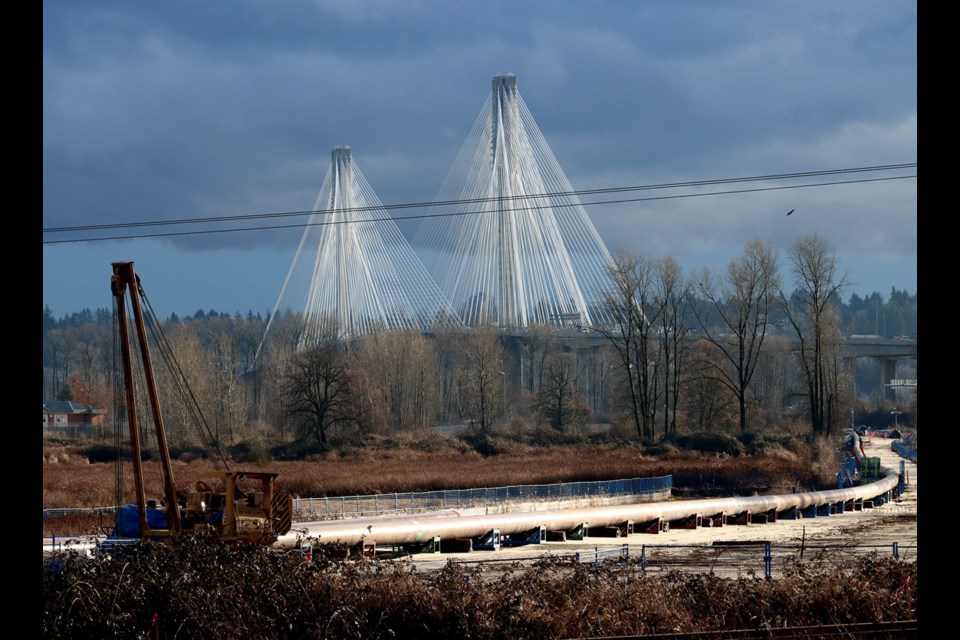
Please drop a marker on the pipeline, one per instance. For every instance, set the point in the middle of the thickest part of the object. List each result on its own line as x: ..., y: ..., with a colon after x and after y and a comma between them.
x: 452, y: 524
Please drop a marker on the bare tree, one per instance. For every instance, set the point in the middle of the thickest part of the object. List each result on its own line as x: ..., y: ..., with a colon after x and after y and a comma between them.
x: 480, y: 381
x: 707, y: 402
x: 231, y: 392
x: 812, y: 313
x: 560, y: 401
x: 319, y: 393
x: 249, y: 331
x: 187, y: 387
x: 58, y: 347
x: 632, y: 304
x: 775, y: 377
x: 423, y: 382
x: 447, y: 342
x: 740, y: 302
x: 370, y: 399
x: 671, y: 293
x: 404, y: 366
x: 281, y: 342
x: 538, y: 343
x: 88, y: 344
x: 94, y: 348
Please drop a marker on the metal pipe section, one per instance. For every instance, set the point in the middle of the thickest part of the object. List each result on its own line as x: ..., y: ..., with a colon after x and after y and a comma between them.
x: 409, y: 529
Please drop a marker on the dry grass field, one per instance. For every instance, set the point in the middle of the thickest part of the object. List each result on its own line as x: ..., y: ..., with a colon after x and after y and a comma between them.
x: 71, y: 481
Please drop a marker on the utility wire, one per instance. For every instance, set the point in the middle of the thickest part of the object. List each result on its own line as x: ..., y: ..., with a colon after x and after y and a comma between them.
x: 472, y: 201
x: 414, y: 205
x: 437, y: 203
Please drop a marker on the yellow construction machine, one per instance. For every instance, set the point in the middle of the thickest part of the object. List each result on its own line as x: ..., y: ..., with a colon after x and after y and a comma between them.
x: 241, y: 506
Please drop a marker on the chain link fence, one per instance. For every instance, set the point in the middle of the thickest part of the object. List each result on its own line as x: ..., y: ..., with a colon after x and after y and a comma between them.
x: 332, y: 508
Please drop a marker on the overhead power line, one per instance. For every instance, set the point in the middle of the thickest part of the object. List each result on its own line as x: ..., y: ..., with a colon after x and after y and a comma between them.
x: 412, y: 205
x: 446, y: 203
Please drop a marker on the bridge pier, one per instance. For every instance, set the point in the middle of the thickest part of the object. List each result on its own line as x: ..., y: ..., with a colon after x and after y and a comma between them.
x: 887, y: 353
x: 888, y: 371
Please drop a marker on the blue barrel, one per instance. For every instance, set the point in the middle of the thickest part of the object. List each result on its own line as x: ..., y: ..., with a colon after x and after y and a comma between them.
x: 128, y: 521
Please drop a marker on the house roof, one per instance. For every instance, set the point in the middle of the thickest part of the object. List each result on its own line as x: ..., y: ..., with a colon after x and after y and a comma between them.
x: 65, y: 406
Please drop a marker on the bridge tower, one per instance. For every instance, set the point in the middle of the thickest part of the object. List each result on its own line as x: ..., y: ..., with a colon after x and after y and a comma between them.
x: 517, y: 248
x: 354, y: 273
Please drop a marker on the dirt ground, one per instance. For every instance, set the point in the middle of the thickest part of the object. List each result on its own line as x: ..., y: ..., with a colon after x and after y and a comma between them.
x: 881, y: 527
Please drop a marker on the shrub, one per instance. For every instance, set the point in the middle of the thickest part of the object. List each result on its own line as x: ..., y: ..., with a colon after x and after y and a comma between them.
x: 663, y: 449
x: 826, y: 458
x: 197, y: 587
x: 247, y: 451
x: 101, y: 453
x: 543, y: 436
x: 759, y: 443
x: 189, y: 453
x: 489, y: 444
x: 298, y: 450
x: 707, y: 442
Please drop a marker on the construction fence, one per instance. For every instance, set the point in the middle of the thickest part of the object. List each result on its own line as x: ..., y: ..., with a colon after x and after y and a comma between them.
x: 906, y: 446
x: 761, y: 559
x: 742, y: 560
x: 332, y: 508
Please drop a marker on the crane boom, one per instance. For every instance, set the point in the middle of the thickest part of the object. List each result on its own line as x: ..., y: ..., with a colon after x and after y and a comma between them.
x: 124, y: 280
x: 259, y: 514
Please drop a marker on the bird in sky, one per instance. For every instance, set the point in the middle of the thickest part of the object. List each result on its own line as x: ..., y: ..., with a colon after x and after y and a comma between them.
x: 791, y: 211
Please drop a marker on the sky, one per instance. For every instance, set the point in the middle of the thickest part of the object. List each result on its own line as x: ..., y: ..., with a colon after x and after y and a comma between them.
x: 180, y: 110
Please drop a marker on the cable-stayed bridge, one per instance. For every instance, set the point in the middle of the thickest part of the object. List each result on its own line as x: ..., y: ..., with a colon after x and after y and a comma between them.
x: 516, y: 250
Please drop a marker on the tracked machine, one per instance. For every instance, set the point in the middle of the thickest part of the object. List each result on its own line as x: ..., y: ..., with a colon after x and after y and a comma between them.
x: 240, y: 506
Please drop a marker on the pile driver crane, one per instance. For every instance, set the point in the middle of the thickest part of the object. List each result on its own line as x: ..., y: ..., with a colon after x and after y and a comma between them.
x: 241, y: 506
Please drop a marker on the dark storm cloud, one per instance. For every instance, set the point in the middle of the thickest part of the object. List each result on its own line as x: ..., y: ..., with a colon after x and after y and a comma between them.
x: 196, y: 109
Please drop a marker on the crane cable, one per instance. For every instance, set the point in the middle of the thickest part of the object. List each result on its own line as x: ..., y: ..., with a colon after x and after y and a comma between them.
x: 167, y: 355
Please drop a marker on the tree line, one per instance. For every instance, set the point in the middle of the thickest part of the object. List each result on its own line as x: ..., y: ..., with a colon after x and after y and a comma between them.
x: 739, y: 349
